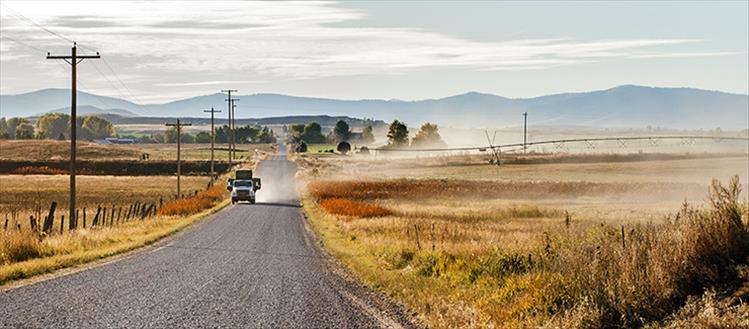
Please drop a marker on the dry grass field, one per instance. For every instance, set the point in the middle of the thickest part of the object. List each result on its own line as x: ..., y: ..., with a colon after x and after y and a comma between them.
x: 26, y: 251
x: 603, y: 244
x: 116, y: 213
x: 60, y: 150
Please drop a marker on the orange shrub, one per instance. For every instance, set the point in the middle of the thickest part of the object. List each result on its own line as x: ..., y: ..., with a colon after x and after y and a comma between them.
x: 348, y: 207
x: 193, y: 204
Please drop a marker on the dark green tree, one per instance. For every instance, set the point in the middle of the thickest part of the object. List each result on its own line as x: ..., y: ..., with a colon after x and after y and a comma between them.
x: 265, y: 135
x: 313, y: 133
x: 170, y: 136
x: 397, y: 134
x: 343, y: 147
x: 24, y: 131
x: 52, y: 125
x: 12, y: 124
x: 222, y: 134
x: 341, y: 131
x: 295, y: 133
x: 4, y: 129
x: 245, y: 134
x: 203, y: 137
x: 94, y: 127
x: 428, y: 136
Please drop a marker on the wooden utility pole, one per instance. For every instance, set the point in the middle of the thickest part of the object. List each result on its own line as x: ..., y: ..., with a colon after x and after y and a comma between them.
x: 74, y: 59
x: 229, y: 110
x: 179, y: 126
x: 525, y: 131
x: 213, y: 141
x: 234, y: 127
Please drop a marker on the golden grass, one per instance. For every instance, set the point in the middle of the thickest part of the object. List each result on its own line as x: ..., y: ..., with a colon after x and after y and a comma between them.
x: 440, y: 188
x: 346, y: 207
x: 195, y: 203
x: 29, y: 193
x: 39, y: 150
x: 459, y: 263
x: 24, y: 253
x: 31, y: 150
x: 87, y: 245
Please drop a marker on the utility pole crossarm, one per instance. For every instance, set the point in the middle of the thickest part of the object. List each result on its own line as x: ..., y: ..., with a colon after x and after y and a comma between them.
x: 74, y: 59
x: 77, y: 57
x: 179, y: 126
x: 213, y: 141
x: 230, y: 113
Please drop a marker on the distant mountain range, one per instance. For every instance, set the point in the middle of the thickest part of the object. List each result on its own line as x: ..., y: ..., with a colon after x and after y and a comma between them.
x: 623, y: 106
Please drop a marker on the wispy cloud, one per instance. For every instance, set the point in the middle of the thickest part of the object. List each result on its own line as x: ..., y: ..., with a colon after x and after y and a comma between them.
x: 199, y: 44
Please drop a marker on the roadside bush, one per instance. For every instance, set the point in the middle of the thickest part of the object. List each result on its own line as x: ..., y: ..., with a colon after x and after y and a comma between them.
x: 301, y: 147
x: 193, y: 204
x: 343, y: 147
x: 657, y: 267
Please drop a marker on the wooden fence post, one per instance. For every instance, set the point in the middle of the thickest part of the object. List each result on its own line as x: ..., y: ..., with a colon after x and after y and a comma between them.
x: 84, y: 217
x: 47, y: 228
x: 96, y: 218
x: 416, y: 230
x: 32, y: 223
x: 111, y: 218
x: 62, y: 221
x: 73, y: 222
x: 432, y: 236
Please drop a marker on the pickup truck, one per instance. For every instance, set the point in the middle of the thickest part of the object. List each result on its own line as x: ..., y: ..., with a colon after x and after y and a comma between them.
x: 243, y: 187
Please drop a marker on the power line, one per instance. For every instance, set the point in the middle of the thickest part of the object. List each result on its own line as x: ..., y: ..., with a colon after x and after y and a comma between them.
x: 22, y: 43
x: 34, y: 23
x: 141, y: 104
x: 21, y: 16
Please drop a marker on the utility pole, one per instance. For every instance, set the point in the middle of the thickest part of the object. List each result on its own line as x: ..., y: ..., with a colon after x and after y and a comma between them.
x: 525, y: 131
x: 234, y: 127
x: 74, y: 59
x: 179, y: 126
x: 229, y: 110
x: 213, y: 141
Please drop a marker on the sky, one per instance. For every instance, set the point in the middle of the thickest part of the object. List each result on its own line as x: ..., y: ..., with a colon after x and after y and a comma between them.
x: 154, y: 51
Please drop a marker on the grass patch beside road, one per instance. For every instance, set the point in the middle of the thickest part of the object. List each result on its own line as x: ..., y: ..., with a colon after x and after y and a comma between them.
x: 525, y: 265
x: 86, y: 245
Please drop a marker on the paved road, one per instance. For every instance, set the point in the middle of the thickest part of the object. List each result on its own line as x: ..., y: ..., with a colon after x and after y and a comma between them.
x: 246, y: 266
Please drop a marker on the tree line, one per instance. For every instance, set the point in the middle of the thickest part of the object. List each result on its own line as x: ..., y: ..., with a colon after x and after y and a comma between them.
x: 311, y: 133
x: 242, y: 135
x: 428, y: 136
x: 56, y: 126
x: 90, y: 127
